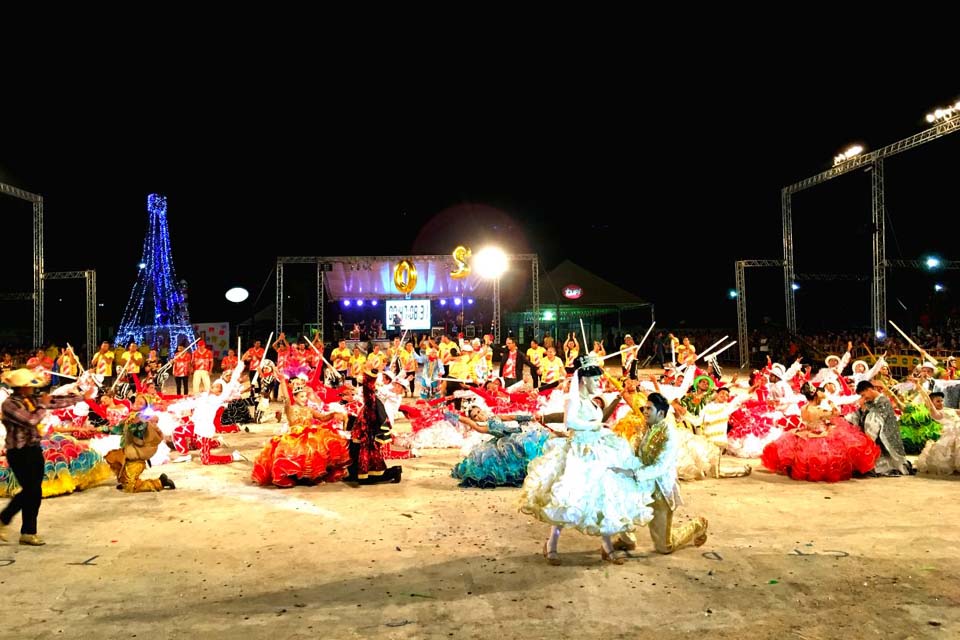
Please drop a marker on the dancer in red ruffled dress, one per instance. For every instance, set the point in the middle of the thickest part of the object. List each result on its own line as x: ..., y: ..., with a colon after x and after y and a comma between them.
x: 824, y: 447
x: 312, y: 451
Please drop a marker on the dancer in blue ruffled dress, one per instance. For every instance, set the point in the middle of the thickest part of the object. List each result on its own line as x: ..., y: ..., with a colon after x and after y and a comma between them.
x: 501, y: 462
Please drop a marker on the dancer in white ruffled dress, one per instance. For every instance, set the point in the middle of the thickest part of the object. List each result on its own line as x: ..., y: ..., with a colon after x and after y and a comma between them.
x: 586, y: 481
x: 942, y: 457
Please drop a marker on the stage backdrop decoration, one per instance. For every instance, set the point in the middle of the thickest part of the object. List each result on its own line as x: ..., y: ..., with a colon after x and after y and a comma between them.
x: 405, y: 277
x: 216, y: 335
x: 460, y: 255
x: 373, y: 279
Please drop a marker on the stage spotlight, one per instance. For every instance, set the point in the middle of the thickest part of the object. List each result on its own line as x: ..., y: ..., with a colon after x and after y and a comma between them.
x: 359, y: 303
x: 237, y: 294
x: 443, y: 302
x: 794, y: 286
x: 932, y: 262
x: 373, y: 303
x: 490, y: 262
x: 346, y: 303
x: 548, y: 315
x: 938, y: 287
x: 457, y: 301
x: 881, y: 334
x: 469, y: 300
x: 732, y: 294
x: 142, y: 265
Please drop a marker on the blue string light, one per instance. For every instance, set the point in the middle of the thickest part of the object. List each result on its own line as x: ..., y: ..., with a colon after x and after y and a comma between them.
x: 157, y: 305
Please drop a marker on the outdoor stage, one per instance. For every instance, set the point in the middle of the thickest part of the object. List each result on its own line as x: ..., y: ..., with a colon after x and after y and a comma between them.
x: 222, y: 558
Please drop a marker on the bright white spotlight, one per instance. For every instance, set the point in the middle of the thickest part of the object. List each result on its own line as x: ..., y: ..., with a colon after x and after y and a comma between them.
x: 346, y: 303
x: 359, y: 303
x: 548, y: 315
x: 732, y: 293
x: 443, y: 302
x: 881, y: 334
x: 457, y: 301
x: 938, y: 287
x: 794, y: 286
x: 373, y: 303
x: 469, y: 300
x: 490, y: 262
x: 237, y: 294
x: 932, y: 262
x: 142, y: 265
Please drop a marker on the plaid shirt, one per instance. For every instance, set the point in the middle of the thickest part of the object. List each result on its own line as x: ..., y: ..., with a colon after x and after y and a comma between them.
x: 21, y: 415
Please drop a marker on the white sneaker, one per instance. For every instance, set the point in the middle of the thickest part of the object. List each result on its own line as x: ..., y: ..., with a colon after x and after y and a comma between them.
x: 237, y: 457
x: 183, y: 458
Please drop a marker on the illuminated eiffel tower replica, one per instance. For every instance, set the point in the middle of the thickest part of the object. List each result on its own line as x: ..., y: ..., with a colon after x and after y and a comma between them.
x: 157, y: 307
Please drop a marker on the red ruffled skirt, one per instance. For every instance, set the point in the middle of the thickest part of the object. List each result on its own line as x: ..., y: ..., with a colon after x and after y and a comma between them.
x: 305, y: 454
x: 831, y: 456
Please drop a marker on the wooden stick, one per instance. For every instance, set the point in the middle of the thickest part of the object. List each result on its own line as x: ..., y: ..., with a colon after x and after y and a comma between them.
x: 75, y: 358
x: 707, y: 350
x: 715, y: 354
x: 922, y: 351
x: 54, y: 373
x: 256, y: 375
x: 176, y: 355
x: 644, y: 338
x: 314, y: 347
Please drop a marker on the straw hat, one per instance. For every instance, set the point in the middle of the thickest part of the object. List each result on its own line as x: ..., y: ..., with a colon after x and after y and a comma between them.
x: 23, y: 378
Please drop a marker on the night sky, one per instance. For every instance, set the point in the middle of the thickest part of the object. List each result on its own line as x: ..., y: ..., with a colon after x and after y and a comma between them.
x: 664, y: 195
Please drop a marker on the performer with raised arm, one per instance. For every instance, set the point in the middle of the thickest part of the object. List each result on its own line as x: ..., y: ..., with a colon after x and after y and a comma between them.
x: 311, y: 451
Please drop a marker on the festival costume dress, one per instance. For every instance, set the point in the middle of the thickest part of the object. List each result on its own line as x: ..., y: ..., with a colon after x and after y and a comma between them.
x: 309, y: 452
x: 823, y: 448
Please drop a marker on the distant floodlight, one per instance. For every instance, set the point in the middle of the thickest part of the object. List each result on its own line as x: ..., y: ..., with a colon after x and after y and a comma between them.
x: 732, y: 293
x: 944, y: 113
x: 849, y: 153
x: 373, y: 303
x: 443, y: 302
x: 794, y: 286
x: 469, y: 300
x: 359, y: 303
x: 237, y: 294
x: 142, y: 265
x: 881, y: 334
x: 346, y: 303
x: 490, y: 262
x: 932, y: 262
x: 457, y: 301
x: 938, y: 287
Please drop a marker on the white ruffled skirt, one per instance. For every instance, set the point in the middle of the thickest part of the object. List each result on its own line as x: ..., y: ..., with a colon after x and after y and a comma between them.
x: 584, y: 482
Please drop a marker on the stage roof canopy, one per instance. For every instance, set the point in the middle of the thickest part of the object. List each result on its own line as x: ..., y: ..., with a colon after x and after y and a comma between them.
x: 373, y: 278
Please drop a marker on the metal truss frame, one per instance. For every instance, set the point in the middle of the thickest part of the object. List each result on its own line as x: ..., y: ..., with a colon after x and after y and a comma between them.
x: 874, y: 161
x: 90, y: 278
x: 37, y: 296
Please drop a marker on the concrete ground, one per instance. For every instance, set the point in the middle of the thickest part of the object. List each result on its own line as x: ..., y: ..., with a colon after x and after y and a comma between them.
x: 222, y: 558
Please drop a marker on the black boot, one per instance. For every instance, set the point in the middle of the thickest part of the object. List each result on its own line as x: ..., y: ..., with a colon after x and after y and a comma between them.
x: 166, y: 482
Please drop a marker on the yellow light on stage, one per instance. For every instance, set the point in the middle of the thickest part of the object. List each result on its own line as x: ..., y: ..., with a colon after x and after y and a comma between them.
x: 490, y: 262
